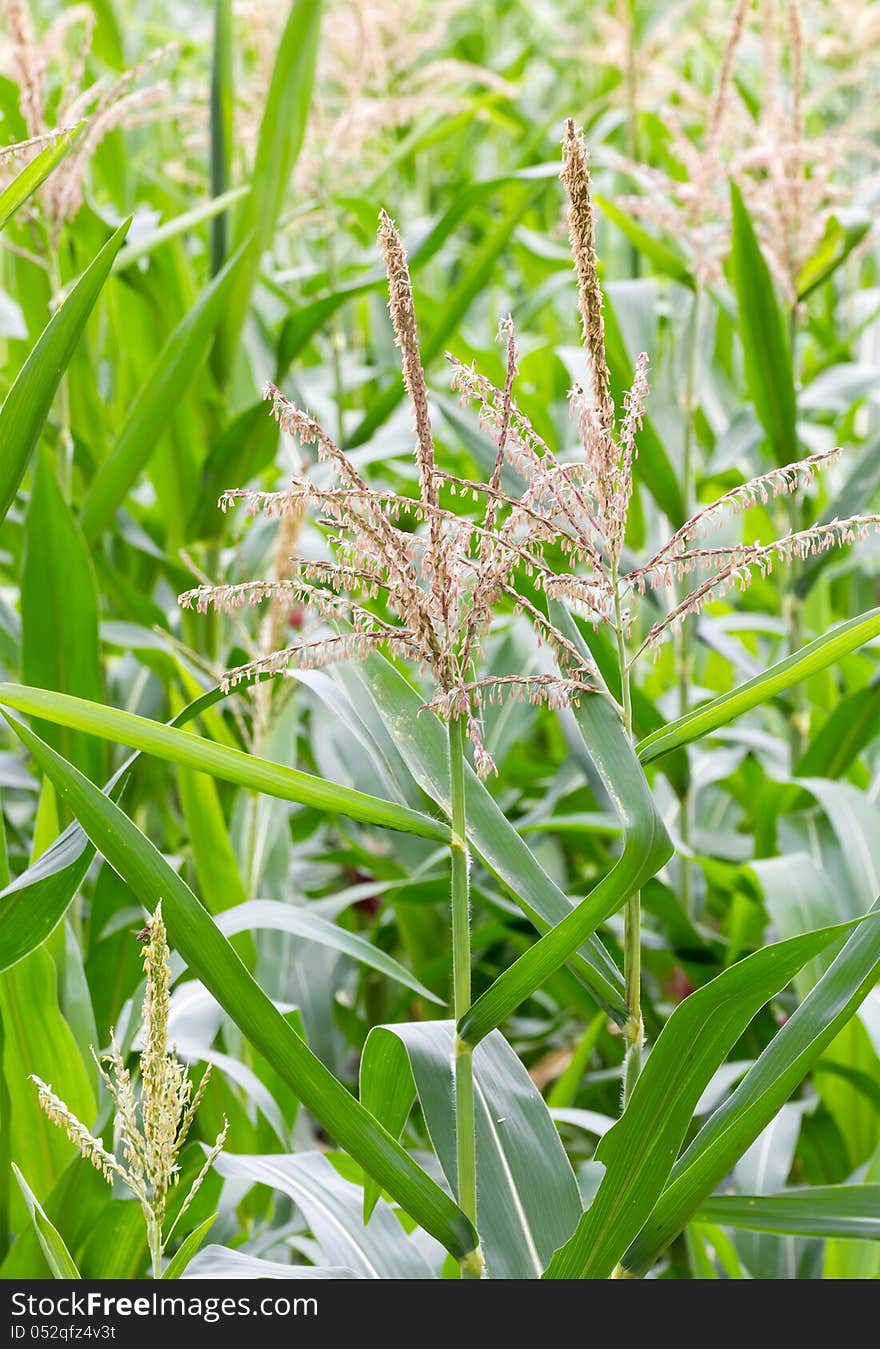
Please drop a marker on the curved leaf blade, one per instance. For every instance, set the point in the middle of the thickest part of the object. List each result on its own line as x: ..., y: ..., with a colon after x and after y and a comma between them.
x: 58, y: 1257
x: 777, y: 1071
x: 221, y: 761
x: 30, y: 399
x: 639, y: 1151
x: 299, y: 922
x: 282, y: 131
x: 25, y: 183
x: 766, y: 353
x: 211, y: 958
x: 598, y: 734
x: 817, y: 655
x: 813, y: 1211
x: 527, y: 1195
x: 171, y: 375
x: 421, y: 741
x: 332, y: 1207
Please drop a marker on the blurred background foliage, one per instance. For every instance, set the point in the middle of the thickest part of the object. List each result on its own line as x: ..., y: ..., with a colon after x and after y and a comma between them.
x: 253, y: 148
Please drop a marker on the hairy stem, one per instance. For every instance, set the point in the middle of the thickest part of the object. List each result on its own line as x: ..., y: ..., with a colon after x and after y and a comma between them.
x: 465, y: 1125
x: 684, y: 648
x: 154, y: 1241
x: 633, y: 1031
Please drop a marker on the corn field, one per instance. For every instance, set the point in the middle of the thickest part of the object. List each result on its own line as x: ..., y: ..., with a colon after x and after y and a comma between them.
x: 439, y: 632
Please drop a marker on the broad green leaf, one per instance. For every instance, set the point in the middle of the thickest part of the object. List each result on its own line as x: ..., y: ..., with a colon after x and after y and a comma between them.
x: 814, y: 1211
x: 666, y: 256
x: 843, y: 232
x: 219, y: 1262
x: 33, y: 904
x: 58, y: 1257
x: 646, y: 848
x: 817, y: 655
x: 37, y: 1040
x: 178, y: 225
x: 28, y: 403
x: 421, y: 740
x: 855, y: 496
x: 282, y: 131
x: 59, y: 602
x: 639, y: 1151
x: 211, y: 959
x: 299, y: 922
x: 777, y: 1071
x: 332, y: 1207
x: 222, y: 119
x: 231, y: 765
x: 527, y: 1195
x: 164, y: 386
x: 187, y: 1249
x: 25, y: 183
x: 766, y: 354
x: 852, y: 724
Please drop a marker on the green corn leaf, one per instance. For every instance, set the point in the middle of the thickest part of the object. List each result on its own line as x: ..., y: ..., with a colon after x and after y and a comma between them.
x: 222, y: 119
x: 282, y: 130
x: 177, y: 226
x: 527, y: 1196
x: 187, y: 1249
x: 844, y: 231
x: 220, y: 1262
x: 30, y: 399
x: 817, y: 655
x: 25, y: 183
x: 666, y: 257
x: 59, y: 601
x: 299, y: 922
x: 32, y: 905
x: 766, y: 353
x: 174, y: 370
x: 639, y: 1151
x: 455, y: 306
x: 646, y: 848
x: 231, y: 765
x: 211, y: 959
x: 777, y: 1071
x: 814, y: 1211
x: 332, y: 1206
x: 58, y: 1257
x: 421, y: 740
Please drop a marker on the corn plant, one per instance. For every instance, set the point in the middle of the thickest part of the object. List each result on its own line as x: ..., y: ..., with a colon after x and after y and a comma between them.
x: 501, y: 756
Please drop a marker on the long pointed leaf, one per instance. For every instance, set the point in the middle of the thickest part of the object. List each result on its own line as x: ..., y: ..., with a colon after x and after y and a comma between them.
x: 646, y: 848
x: 231, y: 765
x: 735, y: 1125
x: 422, y: 743
x: 638, y: 1152
x: 58, y: 1257
x: 171, y: 375
x: 282, y: 131
x: 25, y: 183
x: 766, y: 354
x: 814, y: 1211
x: 211, y: 959
x: 29, y: 400
x: 818, y: 655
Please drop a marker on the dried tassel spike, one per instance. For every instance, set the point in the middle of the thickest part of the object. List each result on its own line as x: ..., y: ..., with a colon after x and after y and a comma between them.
x: 403, y: 321
x: 581, y: 225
